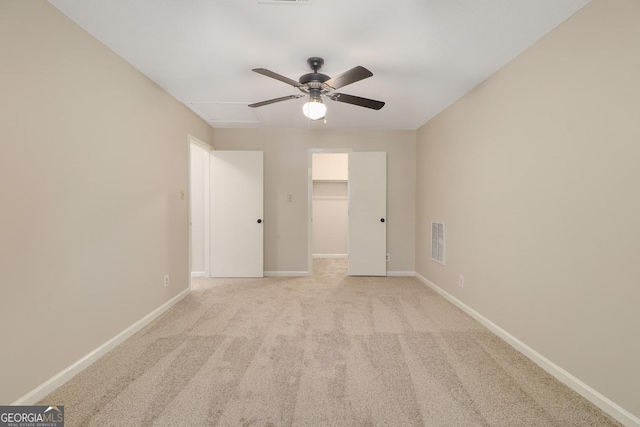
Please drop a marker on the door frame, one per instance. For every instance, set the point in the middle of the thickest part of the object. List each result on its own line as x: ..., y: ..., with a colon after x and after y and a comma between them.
x: 193, y: 140
x: 310, y: 154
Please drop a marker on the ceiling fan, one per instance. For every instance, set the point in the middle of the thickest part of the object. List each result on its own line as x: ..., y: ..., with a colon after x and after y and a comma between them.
x: 316, y: 85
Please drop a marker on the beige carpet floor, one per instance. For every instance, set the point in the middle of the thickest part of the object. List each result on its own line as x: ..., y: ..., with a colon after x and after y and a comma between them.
x: 325, y: 350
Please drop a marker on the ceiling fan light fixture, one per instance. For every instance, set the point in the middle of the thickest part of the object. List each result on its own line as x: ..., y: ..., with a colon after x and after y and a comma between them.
x: 314, y: 109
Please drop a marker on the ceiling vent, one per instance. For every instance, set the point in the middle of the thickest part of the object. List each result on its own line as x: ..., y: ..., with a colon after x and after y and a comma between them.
x: 285, y: 2
x: 437, y: 242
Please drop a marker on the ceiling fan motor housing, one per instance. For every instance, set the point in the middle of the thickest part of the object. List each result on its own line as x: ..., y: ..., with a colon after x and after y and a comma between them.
x: 314, y: 78
x: 313, y: 82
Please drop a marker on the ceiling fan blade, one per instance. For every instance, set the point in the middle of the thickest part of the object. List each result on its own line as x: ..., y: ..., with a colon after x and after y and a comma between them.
x: 353, y: 75
x: 356, y: 100
x: 272, y: 101
x: 277, y: 76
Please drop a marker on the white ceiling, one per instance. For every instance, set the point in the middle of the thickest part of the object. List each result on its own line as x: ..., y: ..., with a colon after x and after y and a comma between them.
x: 424, y: 54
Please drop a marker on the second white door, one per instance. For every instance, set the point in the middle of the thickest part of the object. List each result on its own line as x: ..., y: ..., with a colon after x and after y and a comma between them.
x: 236, y: 214
x: 367, y: 214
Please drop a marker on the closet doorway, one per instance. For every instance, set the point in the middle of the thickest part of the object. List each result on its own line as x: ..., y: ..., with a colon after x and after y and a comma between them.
x: 329, y: 205
x: 348, y: 209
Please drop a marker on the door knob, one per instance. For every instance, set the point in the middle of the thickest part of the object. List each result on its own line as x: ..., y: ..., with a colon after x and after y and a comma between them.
x: 259, y: 221
x: 381, y: 219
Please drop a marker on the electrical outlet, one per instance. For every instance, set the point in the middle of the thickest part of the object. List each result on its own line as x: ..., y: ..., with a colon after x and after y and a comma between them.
x: 387, y: 258
x: 289, y: 197
x: 461, y: 281
x: 166, y: 280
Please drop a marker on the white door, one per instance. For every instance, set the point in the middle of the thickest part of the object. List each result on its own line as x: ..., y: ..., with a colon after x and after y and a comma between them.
x: 367, y: 214
x: 236, y: 214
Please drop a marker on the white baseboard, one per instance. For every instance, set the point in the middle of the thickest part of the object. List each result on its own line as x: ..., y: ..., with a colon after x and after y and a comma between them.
x: 195, y: 274
x: 66, y: 374
x: 345, y: 256
x: 401, y: 273
x: 285, y: 273
x: 607, y: 405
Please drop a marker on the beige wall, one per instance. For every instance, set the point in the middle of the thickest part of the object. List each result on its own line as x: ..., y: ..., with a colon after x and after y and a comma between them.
x: 93, y: 157
x: 286, y: 172
x: 535, y: 173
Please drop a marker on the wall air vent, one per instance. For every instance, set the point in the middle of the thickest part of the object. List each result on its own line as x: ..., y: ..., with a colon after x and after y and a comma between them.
x: 437, y: 242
